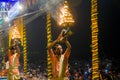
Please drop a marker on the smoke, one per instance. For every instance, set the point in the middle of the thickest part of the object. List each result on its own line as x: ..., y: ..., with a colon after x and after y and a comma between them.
x: 47, y: 6
x: 40, y: 7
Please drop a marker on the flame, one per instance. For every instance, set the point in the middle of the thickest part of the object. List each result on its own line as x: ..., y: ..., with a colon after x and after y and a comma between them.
x: 15, y: 33
x: 65, y: 17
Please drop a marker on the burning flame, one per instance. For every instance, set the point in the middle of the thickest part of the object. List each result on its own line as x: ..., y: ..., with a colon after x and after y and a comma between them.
x: 65, y: 17
x: 15, y: 33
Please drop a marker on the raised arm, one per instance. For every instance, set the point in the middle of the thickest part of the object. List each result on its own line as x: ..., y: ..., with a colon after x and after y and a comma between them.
x: 68, y: 49
x: 55, y: 41
x: 17, y: 50
x: 68, y: 44
x: 50, y: 46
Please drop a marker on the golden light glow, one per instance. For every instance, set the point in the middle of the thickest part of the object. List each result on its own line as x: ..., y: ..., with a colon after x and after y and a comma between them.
x: 65, y: 17
x: 15, y: 33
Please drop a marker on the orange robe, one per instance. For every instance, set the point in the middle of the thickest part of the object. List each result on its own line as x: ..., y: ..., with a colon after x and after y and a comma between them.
x: 59, y: 68
x: 13, y: 67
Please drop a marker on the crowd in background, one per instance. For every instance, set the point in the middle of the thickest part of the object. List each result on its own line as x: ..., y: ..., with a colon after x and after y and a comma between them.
x: 108, y: 71
x: 76, y: 73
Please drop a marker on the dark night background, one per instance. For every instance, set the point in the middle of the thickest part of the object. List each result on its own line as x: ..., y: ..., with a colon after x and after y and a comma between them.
x: 108, y: 22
